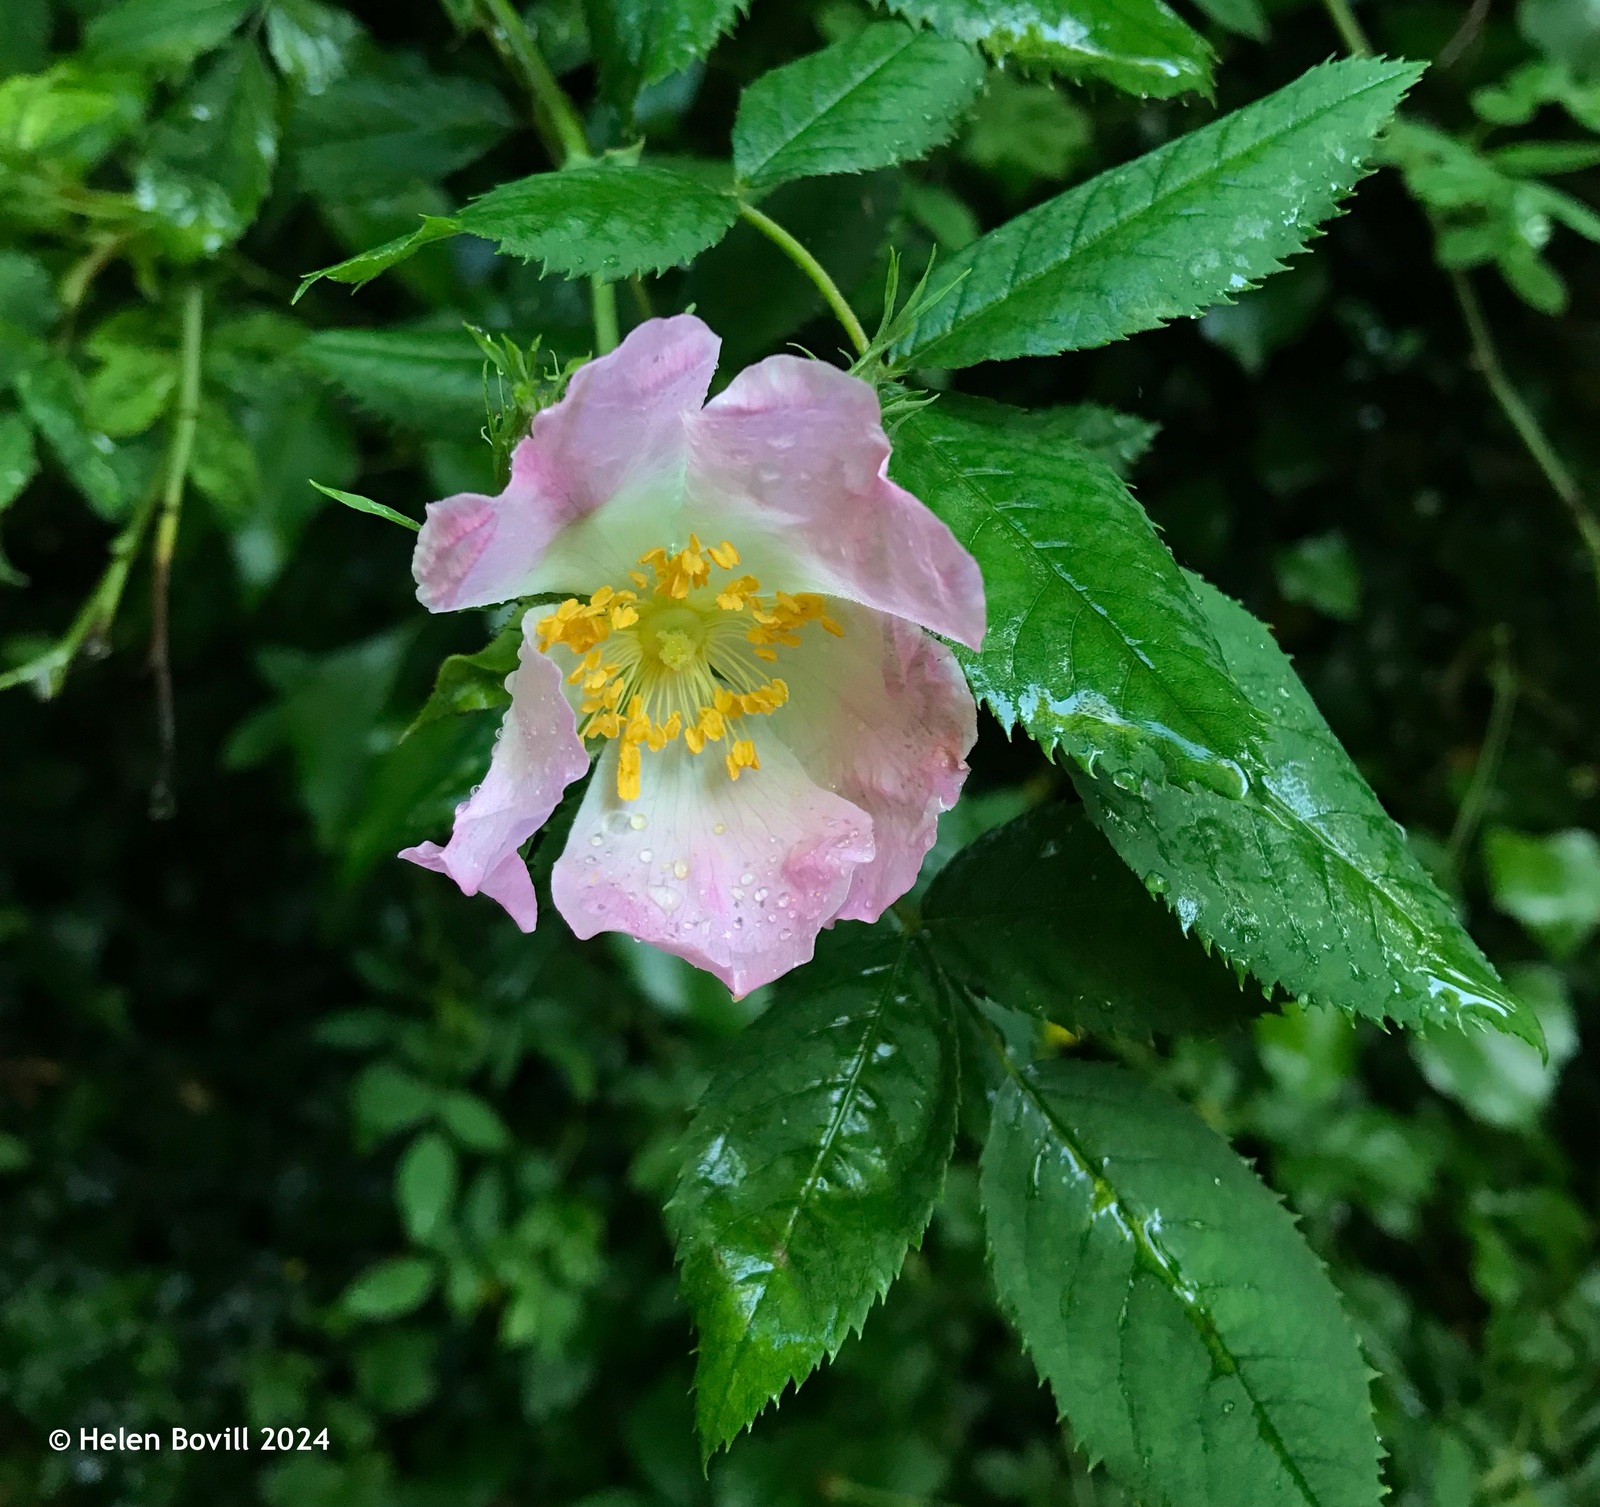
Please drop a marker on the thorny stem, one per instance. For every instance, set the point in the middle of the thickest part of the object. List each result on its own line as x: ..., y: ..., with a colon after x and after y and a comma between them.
x: 559, y: 128
x: 184, y: 423
x: 1487, y: 358
x: 813, y: 269
x: 1344, y: 20
x: 1503, y: 677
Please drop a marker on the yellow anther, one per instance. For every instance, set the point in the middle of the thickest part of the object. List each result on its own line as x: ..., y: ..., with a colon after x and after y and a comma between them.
x: 740, y: 757
x: 678, y: 665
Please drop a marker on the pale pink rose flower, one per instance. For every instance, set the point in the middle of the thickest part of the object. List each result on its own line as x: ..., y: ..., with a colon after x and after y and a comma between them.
x: 741, y: 644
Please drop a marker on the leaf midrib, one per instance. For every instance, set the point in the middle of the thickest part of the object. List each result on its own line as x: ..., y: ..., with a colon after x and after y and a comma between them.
x: 1271, y: 138
x: 1166, y: 1270
x: 871, y: 1028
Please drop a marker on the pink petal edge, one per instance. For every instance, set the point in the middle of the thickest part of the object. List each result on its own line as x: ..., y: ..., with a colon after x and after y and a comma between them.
x: 800, y: 445
x: 622, y: 419
x: 538, y: 754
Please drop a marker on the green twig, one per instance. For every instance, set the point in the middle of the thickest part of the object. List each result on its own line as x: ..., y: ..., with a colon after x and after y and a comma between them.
x: 1503, y: 677
x: 185, y: 420
x: 559, y: 127
x: 1344, y: 20
x: 553, y: 116
x: 47, y: 671
x: 1486, y: 356
x: 813, y: 269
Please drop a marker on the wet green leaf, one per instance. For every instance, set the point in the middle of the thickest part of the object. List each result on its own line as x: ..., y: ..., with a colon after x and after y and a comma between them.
x: 1305, y: 881
x: 361, y: 269
x: 367, y: 505
x: 311, y: 43
x: 52, y: 396
x: 639, y: 42
x: 1495, y: 1078
x: 1095, y: 643
x: 1190, y: 1336
x: 607, y: 218
x: 209, y: 161
x: 1168, y: 234
x: 1138, y: 45
x: 1041, y: 915
x: 814, y: 1161
x: 886, y: 95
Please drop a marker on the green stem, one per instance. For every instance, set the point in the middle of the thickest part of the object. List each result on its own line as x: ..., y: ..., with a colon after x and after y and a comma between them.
x: 813, y: 269
x: 1534, y: 440
x: 559, y: 127
x: 185, y: 420
x: 1503, y: 677
x: 47, y: 671
x: 554, y: 118
x: 1344, y: 20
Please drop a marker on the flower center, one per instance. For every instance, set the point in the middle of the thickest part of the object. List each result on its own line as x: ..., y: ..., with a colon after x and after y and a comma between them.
x: 679, y: 656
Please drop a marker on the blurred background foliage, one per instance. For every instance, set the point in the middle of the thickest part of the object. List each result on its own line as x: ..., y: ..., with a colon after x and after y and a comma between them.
x: 293, y: 1134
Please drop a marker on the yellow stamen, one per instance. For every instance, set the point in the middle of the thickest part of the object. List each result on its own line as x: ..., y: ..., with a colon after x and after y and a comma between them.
x: 682, y: 657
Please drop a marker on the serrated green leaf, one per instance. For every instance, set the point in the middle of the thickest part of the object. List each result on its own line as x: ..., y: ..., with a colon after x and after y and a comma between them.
x: 166, y: 33
x: 427, y: 378
x: 1138, y: 45
x: 886, y: 95
x: 1188, y: 225
x: 1190, y: 1336
x: 813, y: 1163
x: 209, y: 161
x: 1120, y: 440
x: 380, y: 131
x: 52, y: 396
x: 472, y: 682
x: 1305, y: 881
x: 360, y: 270
x: 603, y: 218
x: 1095, y: 643
x: 425, y: 1185
x: 390, y: 1290
x: 639, y: 42
x: 1041, y: 915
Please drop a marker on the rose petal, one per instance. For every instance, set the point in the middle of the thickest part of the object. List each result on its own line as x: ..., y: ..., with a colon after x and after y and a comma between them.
x: 884, y: 717
x: 618, y: 433
x: 738, y: 877
x: 797, y: 448
x: 537, y: 755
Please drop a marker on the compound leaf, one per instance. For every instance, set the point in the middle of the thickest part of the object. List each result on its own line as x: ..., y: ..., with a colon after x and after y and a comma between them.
x: 1189, y: 1334
x: 813, y: 1162
x: 1305, y: 881
x: 1186, y: 226
x: 1095, y: 643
